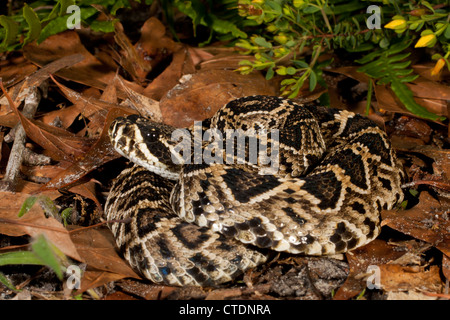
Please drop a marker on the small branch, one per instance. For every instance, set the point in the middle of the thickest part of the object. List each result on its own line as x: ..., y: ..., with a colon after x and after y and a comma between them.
x: 17, y: 151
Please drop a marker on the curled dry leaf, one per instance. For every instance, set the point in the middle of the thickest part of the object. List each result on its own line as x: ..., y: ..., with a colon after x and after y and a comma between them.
x: 146, y: 106
x: 130, y: 59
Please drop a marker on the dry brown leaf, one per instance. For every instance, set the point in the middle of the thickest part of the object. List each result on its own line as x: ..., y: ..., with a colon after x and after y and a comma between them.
x: 446, y: 266
x: 200, y: 95
x: 424, y: 70
x: 402, y: 278
x: 100, y: 153
x: 97, y: 249
x: 130, y: 59
x: 110, y: 93
x: 90, y: 71
x: 64, y: 116
x: 88, y: 191
x: 93, y: 279
x: 425, y: 221
x: 60, y: 144
x: 154, y: 44
x: 33, y: 223
x: 146, y: 106
x: 387, y: 101
x: 148, y: 291
x: 15, y: 69
x: 181, y: 64
x: 352, y: 72
x: 441, y: 157
x: 7, y: 117
x: 412, y: 127
x: 118, y: 295
x: 376, y: 252
x: 85, y: 102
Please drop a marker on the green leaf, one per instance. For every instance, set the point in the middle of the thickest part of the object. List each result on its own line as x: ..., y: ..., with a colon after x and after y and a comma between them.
x: 34, y: 24
x: 53, y: 27
x: 44, y: 250
x: 59, y: 10
x: 260, y: 41
x: 409, y: 78
x: 27, y: 205
x: 19, y: 257
x: 103, y: 26
x: 291, y: 71
x: 369, y: 57
x: 48, y: 206
x: 399, y: 47
x: 275, y: 6
x: 43, y: 253
x: 65, y: 215
x: 405, y: 95
x: 7, y: 283
x: 401, y: 65
x: 270, y: 73
x: 11, y: 28
x: 384, y: 43
x: 300, y: 64
x: 447, y: 32
x: 223, y: 26
x: 399, y: 57
x: 311, y: 9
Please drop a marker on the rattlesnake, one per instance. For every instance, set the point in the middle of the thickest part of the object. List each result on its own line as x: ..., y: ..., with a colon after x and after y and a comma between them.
x: 203, y: 223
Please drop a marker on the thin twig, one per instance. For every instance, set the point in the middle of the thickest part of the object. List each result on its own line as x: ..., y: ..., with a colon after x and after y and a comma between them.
x: 17, y: 150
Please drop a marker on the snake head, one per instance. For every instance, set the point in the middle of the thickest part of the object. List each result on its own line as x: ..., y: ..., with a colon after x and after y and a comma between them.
x: 145, y: 143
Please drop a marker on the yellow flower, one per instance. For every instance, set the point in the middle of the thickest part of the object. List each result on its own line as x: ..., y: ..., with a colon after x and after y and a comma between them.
x: 438, y: 67
x: 396, y: 24
x: 425, y: 40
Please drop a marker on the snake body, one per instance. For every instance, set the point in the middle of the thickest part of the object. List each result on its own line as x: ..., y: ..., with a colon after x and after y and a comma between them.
x: 205, y: 223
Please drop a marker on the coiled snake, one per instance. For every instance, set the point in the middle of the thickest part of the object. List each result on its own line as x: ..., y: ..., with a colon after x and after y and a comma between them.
x: 204, y: 223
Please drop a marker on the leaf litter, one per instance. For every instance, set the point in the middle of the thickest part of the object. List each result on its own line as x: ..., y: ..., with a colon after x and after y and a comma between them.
x: 178, y: 84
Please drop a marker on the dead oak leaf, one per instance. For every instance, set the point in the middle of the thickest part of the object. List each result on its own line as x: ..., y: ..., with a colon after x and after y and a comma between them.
x: 100, y: 153
x: 376, y: 252
x: 198, y: 96
x: 33, y: 223
x: 425, y: 221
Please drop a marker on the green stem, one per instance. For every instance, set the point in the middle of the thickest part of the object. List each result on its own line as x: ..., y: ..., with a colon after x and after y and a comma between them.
x: 369, y: 96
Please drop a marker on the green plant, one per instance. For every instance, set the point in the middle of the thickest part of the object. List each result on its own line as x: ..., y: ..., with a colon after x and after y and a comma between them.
x: 389, y: 66
x: 42, y: 252
x: 43, y: 18
x: 220, y: 17
x: 293, y: 36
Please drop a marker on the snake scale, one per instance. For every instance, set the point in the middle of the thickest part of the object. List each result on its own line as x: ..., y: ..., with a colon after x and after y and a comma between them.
x: 205, y: 223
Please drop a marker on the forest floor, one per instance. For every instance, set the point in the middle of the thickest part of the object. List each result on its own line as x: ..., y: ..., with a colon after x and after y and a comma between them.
x: 70, y: 90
